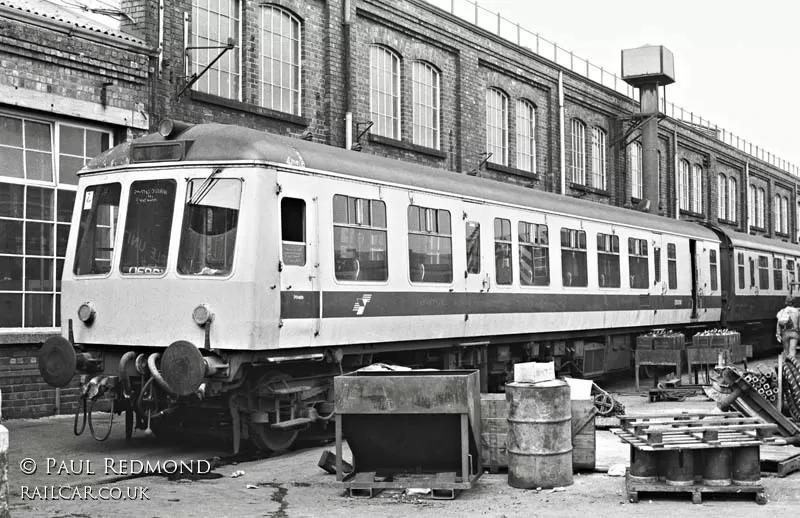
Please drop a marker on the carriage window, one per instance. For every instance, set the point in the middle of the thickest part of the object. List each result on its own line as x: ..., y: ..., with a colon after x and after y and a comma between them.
x: 430, y: 255
x: 210, y: 221
x: 672, y: 266
x: 637, y: 263
x: 608, y: 261
x: 657, y: 264
x: 573, y: 258
x: 359, y: 239
x: 503, y: 269
x: 790, y: 275
x: 712, y: 260
x: 148, y: 227
x: 763, y: 272
x: 534, y: 255
x: 98, y: 227
x: 473, y: 233
x: 740, y: 267
x: 293, y: 231
x: 752, y: 273
x: 777, y: 276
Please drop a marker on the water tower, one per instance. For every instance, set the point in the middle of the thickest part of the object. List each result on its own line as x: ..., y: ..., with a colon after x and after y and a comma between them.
x: 647, y: 68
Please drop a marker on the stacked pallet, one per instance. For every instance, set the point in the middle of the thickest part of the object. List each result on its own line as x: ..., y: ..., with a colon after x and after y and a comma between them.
x: 661, y: 339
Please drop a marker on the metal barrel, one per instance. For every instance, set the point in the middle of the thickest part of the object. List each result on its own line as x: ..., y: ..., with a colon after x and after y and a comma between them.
x: 746, y: 466
x: 679, y: 467
x: 539, y: 434
x: 644, y: 465
x: 717, y: 466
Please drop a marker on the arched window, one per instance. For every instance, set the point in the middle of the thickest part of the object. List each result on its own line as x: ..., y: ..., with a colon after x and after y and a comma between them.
x: 213, y: 27
x: 683, y: 185
x: 722, y: 199
x: 732, y: 194
x: 637, y: 178
x: 697, y: 189
x: 761, y: 208
x: 425, y: 100
x: 497, y: 126
x: 784, y: 214
x: 384, y: 91
x: 776, y: 213
x: 598, y: 158
x: 526, y: 136
x: 578, y: 152
x: 280, y: 60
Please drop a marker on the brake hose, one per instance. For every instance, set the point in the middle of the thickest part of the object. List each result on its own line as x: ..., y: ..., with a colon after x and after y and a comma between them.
x: 91, y: 423
x: 77, y: 413
x: 151, y: 363
x: 123, y: 372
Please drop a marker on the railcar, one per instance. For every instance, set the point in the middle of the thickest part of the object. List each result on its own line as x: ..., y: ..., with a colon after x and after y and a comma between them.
x: 222, y: 271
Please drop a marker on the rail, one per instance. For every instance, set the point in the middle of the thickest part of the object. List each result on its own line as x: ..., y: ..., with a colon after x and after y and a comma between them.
x: 470, y: 11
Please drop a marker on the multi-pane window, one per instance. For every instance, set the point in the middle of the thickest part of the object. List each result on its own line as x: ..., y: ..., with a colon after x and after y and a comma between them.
x: 534, y: 255
x: 503, y: 267
x: 740, y: 268
x: 761, y: 209
x: 214, y: 23
x: 573, y: 258
x: 608, y: 261
x: 430, y: 252
x: 763, y: 272
x: 425, y: 101
x: 39, y: 160
x: 697, y: 189
x: 776, y: 214
x: 790, y: 274
x: 280, y: 60
x: 722, y: 196
x: 638, y: 267
x: 637, y: 175
x: 359, y: 239
x: 578, y: 164
x: 777, y: 273
x: 497, y: 126
x: 784, y: 214
x: 732, y: 194
x: 683, y: 185
x: 656, y: 264
x: 598, y: 158
x: 672, y: 266
x: 384, y: 91
x: 526, y: 136
x: 713, y: 267
x: 751, y: 205
x: 473, y: 238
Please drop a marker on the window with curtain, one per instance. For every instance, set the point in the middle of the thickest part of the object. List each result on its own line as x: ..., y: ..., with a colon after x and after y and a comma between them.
x: 497, y: 126
x: 425, y: 104
x: 213, y: 24
x: 384, y: 91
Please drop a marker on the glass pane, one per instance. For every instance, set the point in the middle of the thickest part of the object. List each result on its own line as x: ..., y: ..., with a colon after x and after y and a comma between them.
x: 37, y: 136
x: 66, y: 202
x: 340, y: 209
x: 10, y: 237
x: 96, y: 142
x: 39, y: 204
x: 59, y: 273
x: 378, y: 214
x: 38, y: 310
x: 10, y: 310
x: 11, y: 200
x: 62, y: 233
x: 68, y: 168
x: 58, y: 311
x: 148, y: 227
x: 38, y: 274
x: 71, y: 140
x: 97, y: 228
x: 11, y: 131
x: 39, y: 166
x: 10, y: 273
x: 11, y: 162
x: 39, y: 238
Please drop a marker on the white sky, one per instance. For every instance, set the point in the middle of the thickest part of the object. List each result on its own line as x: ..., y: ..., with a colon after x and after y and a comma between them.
x: 737, y: 63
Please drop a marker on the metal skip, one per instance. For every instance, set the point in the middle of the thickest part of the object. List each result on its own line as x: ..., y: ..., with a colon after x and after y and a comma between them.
x: 539, y: 434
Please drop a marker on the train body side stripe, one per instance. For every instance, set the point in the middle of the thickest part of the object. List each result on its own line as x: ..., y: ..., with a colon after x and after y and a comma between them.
x: 346, y: 304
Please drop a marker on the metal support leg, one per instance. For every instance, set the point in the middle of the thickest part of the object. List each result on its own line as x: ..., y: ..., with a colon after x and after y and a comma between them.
x: 339, y: 473
x: 464, y: 448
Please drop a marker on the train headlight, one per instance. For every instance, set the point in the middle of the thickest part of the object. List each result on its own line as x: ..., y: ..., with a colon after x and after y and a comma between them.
x: 86, y: 312
x: 202, y: 315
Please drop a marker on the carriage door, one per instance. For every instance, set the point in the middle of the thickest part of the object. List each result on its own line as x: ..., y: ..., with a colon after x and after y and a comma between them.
x: 300, y: 291
x: 476, y: 276
x: 695, y: 283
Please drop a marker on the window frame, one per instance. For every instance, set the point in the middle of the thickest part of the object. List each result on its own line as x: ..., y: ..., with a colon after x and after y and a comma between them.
x: 526, y: 136
x: 422, y: 112
x: 233, y: 57
x: 503, y: 241
x: 295, y: 88
x: 573, y: 246
x: 683, y: 185
x: 356, y: 223
x: 497, y: 125
x: 385, y: 124
x: 637, y: 170
x: 578, y: 152
x: 534, y: 239
x: 638, y: 254
x: 672, y: 266
x: 599, y: 163
x: 732, y: 195
x: 435, y: 211
x: 609, y: 248
x: 697, y: 189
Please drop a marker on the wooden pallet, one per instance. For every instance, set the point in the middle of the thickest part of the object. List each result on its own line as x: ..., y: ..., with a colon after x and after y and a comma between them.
x: 781, y: 467
x: 442, y: 486
x: 696, y: 490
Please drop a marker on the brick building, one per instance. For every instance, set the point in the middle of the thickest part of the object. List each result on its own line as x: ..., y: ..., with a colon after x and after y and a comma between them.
x: 403, y: 79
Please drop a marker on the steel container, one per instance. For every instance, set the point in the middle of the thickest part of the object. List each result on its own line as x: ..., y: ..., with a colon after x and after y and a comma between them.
x: 539, y: 434
x: 679, y: 467
x: 746, y: 466
x: 717, y: 467
x: 644, y: 465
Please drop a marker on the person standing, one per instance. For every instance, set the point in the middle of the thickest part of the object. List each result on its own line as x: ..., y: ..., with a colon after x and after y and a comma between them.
x: 788, y: 329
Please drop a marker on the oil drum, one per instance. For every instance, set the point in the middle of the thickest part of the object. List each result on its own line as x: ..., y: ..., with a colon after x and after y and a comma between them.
x: 717, y: 467
x: 746, y: 466
x: 679, y: 467
x: 539, y: 434
x: 644, y: 465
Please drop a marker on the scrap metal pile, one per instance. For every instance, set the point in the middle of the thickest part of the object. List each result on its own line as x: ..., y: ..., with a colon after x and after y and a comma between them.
x: 791, y: 387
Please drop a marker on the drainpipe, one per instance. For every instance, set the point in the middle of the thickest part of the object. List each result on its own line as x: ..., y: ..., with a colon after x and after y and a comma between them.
x: 746, y: 190
x: 348, y: 116
x: 677, y: 173
x: 561, y: 149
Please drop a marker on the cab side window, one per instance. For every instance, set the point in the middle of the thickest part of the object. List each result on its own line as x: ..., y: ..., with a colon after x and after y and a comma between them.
x: 293, y: 231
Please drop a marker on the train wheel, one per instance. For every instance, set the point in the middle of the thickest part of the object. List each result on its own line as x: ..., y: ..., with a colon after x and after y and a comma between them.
x: 263, y: 436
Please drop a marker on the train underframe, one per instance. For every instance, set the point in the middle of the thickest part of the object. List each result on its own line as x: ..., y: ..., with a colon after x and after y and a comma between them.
x: 270, y: 402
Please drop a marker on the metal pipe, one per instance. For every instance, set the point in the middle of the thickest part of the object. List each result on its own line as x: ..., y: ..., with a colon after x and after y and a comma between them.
x: 561, y: 132
x: 677, y: 173
x: 746, y: 203
x: 346, y: 65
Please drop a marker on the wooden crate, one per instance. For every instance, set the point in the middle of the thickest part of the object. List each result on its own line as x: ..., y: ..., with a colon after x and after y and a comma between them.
x: 583, y: 435
x: 673, y: 341
x: 644, y: 342
x: 494, y: 431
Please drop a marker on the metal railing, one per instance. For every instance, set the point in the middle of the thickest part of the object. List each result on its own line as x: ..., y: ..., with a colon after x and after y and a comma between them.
x: 472, y: 12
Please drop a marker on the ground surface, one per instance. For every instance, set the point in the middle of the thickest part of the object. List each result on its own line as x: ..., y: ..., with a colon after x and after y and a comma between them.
x: 291, y: 485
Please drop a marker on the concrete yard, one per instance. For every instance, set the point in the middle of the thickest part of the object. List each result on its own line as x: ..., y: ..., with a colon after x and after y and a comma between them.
x: 291, y: 485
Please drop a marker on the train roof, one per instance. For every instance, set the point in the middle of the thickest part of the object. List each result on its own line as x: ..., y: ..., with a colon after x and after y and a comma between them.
x: 742, y: 240
x: 218, y: 142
